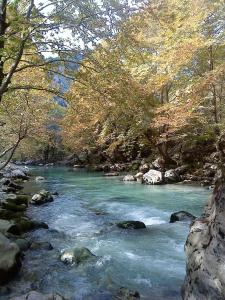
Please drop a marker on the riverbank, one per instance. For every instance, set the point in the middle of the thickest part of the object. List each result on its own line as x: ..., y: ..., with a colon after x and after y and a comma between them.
x: 149, y: 260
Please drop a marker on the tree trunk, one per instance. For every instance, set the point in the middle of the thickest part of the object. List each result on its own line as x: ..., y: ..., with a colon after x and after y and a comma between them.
x: 3, y: 27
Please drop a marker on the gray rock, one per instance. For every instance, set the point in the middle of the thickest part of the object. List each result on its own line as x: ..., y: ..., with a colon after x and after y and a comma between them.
x: 181, y: 216
x: 42, y: 197
x: 9, y: 259
x: 9, y: 227
x: 23, y: 244
x: 153, y: 177
x: 76, y: 255
x: 34, y: 295
x: 131, y: 225
x: 129, y: 178
x: 171, y: 176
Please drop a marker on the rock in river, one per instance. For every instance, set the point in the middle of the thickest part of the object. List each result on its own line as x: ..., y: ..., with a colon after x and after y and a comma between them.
x: 131, y: 225
x: 76, y: 255
x: 42, y: 197
x: 33, y: 295
x: 9, y: 259
x: 153, y: 177
x: 126, y: 294
x: 181, y: 216
x: 129, y: 178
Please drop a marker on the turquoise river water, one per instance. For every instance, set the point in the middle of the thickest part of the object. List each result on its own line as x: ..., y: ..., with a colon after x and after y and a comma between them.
x: 151, y: 260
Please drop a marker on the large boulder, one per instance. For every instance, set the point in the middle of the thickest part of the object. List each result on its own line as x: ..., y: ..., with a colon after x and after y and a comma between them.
x: 76, y: 255
x: 34, y: 295
x: 42, y: 197
x: 158, y: 164
x: 153, y: 177
x: 171, y: 176
x: 9, y: 259
x: 129, y: 178
x: 131, y: 225
x: 181, y: 216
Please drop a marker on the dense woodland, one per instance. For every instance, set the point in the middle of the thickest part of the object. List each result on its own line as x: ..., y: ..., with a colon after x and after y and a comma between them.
x: 143, y: 79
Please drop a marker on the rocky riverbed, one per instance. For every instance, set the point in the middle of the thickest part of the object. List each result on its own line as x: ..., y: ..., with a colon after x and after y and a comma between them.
x: 104, y: 234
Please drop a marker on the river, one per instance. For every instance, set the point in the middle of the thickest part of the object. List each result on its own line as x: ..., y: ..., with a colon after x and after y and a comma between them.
x: 151, y: 260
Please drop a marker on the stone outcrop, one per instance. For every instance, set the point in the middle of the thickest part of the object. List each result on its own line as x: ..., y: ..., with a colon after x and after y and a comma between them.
x: 205, y: 251
x: 153, y: 177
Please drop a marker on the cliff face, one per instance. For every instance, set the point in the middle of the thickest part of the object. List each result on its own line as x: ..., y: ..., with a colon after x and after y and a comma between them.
x: 205, y: 251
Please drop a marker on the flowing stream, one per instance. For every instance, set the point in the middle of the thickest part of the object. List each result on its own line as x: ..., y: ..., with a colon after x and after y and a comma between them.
x: 151, y: 260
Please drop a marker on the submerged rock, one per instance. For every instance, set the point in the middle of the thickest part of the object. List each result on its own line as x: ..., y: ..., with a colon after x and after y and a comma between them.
x: 34, y: 295
x: 76, y: 255
x: 41, y: 246
x: 181, y: 216
x: 111, y: 174
x: 129, y: 178
x: 9, y: 259
x: 153, y: 177
x: 131, y: 225
x: 126, y: 294
x: 42, y: 197
x: 39, y: 178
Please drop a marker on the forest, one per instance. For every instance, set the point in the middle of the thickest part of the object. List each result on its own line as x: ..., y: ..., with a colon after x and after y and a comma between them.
x: 131, y: 88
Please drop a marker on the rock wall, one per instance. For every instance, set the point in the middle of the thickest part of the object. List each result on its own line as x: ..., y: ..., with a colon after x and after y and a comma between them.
x: 205, y: 250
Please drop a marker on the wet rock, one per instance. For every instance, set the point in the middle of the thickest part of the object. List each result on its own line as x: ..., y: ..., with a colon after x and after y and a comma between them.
x: 23, y: 244
x: 41, y: 246
x: 34, y: 295
x: 131, y: 225
x: 181, y: 216
x: 14, y: 207
x: 9, y: 227
x: 9, y: 215
x: 39, y: 178
x: 76, y: 255
x: 42, y: 197
x: 153, y: 177
x: 139, y: 177
x: 171, y: 176
x: 9, y: 259
x: 129, y: 178
x: 111, y: 174
x: 126, y: 294
x: 17, y: 199
x: 26, y: 225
